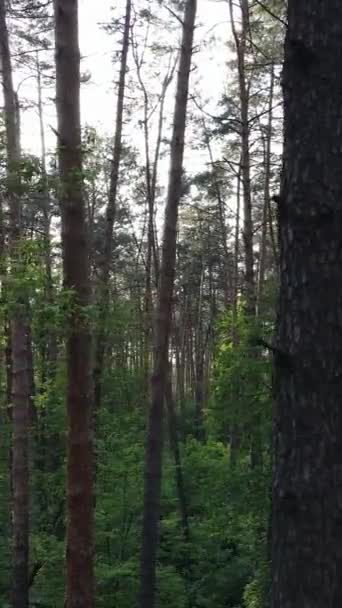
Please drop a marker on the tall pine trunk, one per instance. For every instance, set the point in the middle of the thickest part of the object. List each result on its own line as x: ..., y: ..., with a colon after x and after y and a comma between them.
x: 241, y: 39
x: 266, y: 226
x: 18, y: 326
x: 154, y: 444
x: 307, y: 484
x: 80, y: 499
x: 104, y: 271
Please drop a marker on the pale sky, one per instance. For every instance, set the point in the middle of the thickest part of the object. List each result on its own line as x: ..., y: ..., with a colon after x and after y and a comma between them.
x: 98, y: 100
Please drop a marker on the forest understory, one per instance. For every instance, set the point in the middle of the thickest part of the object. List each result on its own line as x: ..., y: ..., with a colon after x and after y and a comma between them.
x: 161, y: 312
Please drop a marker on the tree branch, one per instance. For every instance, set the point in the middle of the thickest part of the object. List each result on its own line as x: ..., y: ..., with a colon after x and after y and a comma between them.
x: 270, y: 12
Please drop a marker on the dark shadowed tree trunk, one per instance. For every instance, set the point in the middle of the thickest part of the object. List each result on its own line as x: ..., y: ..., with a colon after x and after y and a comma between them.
x: 80, y: 500
x: 154, y: 444
x: 307, y: 484
x: 18, y: 338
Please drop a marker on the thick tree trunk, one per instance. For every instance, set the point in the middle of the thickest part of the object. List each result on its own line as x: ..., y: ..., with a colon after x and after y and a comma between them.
x: 80, y: 499
x: 154, y: 445
x: 18, y: 323
x: 106, y: 261
x: 307, y: 484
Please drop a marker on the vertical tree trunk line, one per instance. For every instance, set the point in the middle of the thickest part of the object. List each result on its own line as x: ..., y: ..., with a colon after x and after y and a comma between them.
x: 174, y: 445
x: 104, y: 270
x: 18, y: 325
x: 235, y: 430
x: 266, y: 225
x: 154, y: 444
x: 307, y: 481
x: 151, y: 179
x: 221, y: 209
x: 241, y: 39
x: 51, y: 341
x: 80, y: 468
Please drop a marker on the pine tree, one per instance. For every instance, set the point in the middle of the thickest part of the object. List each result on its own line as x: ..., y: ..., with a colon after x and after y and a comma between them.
x: 80, y: 498
x: 307, y: 533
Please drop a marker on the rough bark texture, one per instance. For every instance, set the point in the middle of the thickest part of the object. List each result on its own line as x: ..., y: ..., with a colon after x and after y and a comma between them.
x: 79, y: 552
x: 154, y: 445
x: 18, y: 337
x: 307, y: 484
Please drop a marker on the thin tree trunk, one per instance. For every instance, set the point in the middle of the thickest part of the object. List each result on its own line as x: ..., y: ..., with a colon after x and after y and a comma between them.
x: 80, y: 499
x: 180, y: 363
x: 151, y: 177
x: 51, y: 341
x: 221, y: 208
x: 235, y: 431
x: 104, y: 270
x: 307, y: 483
x: 174, y: 445
x: 31, y: 380
x: 241, y: 44
x: 267, y: 198
x: 154, y: 445
x: 18, y: 322
x: 236, y: 259
x: 199, y: 360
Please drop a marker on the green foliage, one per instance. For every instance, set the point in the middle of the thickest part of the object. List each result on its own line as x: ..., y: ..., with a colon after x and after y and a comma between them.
x: 241, y: 399
x: 242, y: 380
x: 224, y: 562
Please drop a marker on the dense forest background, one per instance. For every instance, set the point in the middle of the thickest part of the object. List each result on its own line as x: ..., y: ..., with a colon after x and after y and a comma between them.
x: 211, y: 361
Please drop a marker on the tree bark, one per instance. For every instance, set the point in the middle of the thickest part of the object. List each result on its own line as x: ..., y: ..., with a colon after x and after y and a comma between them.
x: 154, y: 444
x: 18, y: 324
x: 80, y: 500
x: 307, y: 484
